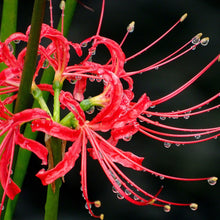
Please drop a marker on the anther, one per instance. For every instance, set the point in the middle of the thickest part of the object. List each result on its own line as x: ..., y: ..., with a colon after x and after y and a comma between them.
x: 102, y: 216
x: 183, y: 17
x: 219, y: 58
x: 193, y: 206
x: 205, y: 41
x: 196, y: 39
x: 62, y: 5
x: 213, y: 180
x: 97, y: 203
x: 130, y: 27
x: 167, y: 208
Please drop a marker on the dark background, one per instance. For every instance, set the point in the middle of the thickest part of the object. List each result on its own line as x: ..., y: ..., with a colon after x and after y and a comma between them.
x: 153, y: 18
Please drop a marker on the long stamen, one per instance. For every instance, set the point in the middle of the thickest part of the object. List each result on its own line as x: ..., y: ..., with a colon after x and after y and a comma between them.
x: 183, y: 87
x: 51, y: 14
x: 62, y: 7
x: 101, y: 18
x: 162, y: 36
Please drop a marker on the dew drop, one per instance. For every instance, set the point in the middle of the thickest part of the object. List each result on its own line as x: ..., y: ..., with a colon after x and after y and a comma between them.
x: 156, y: 68
x: 212, y: 181
x: 193, y: 47
x: 167, y: 144
x: 205, y: 41
x: 187, y: 116
x: 177, y: 144
x: 162, y: 177
x: 72, y: 81
x: 127, y: 192
x: 136, y: 198
x: 195, y: 40
x: 114, y: 190
x: 119, y: 196
x: 99, y: 108
x: 91, y: 79
x: 152, y: 106
x: 17, y: 41
x: 98, y: 80
x: 2, y: 206
x: 91, y: 110
x: 167, y: 208
x: 118, y: 182
x: 197, y: 136
x: 10, y: 47
x: 84, y: 44
x: 87, y: 207
x: 193, y: 206
x: 149, y: 115
x: 162, y: 118
x: 127, y: 138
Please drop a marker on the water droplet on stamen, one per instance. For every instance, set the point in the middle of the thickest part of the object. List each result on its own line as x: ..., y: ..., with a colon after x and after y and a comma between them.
x: 2, y: 206
x: 197, y: 136
x: 193, y: 206
x: 212, y: 181
x: 152, y: 106
x: 149, y: 115
x: 162, y: 177
x: 177, y: 144
x: 167, y: 144
x: 167, y: 208
x: 119, y: 196
x: 114, y: 190
x: 87, y: 207
x: 136, y: 198
x: 205, y: 41
x: 156, y: 68
x: 162, y: 118
x: 127, y: 192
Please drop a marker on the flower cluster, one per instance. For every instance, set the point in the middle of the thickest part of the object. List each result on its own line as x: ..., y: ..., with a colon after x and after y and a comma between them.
x: 114, y: 113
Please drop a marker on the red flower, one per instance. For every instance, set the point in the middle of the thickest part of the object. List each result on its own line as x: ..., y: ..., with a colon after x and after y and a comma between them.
x: 10, y: 125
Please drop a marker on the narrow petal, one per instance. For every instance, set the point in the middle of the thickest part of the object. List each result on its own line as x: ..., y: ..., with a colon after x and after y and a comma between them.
x: 63, y: 166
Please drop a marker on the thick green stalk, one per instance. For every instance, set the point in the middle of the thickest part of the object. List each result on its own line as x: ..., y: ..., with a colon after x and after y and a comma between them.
x: 24, y: 155
x: 52, y: 202
x: 24, y: 94
x: 24, y: 98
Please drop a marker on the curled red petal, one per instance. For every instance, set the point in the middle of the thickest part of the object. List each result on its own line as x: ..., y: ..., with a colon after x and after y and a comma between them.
x: 33, y: 146
x: 55, y: 129
x: 79, y: 89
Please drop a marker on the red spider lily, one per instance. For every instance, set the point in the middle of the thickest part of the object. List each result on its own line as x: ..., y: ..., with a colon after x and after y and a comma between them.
x: 105, y: 151
x: 10, y: 125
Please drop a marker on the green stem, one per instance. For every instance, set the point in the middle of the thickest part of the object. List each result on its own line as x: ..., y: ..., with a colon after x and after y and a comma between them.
x: 57, y: 86
x: 52, y: 202
x: 24, y: 94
